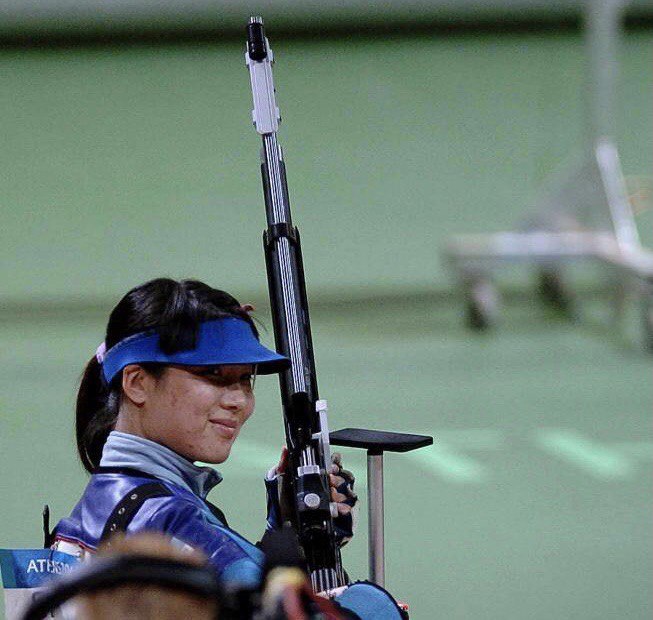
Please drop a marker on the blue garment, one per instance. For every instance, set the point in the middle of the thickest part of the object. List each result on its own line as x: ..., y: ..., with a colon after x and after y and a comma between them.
x: 183, y: 515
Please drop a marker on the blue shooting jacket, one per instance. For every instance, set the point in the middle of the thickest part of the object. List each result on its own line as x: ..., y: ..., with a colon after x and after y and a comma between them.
x: 184, y: 515
x: 129, y: 461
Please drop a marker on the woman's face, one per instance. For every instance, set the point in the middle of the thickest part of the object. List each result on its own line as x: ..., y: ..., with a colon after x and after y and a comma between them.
x: 198, y: 411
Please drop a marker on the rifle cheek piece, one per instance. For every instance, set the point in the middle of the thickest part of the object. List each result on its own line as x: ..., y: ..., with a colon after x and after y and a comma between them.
x: 299, y: 414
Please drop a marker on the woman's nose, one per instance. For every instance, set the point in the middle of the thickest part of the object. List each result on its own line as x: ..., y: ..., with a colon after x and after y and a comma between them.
x: 234, y: 398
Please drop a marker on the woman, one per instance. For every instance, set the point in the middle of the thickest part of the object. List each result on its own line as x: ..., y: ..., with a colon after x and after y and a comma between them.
x: 173, y: 384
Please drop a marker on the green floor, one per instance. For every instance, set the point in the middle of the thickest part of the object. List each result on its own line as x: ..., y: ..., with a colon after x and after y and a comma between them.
x: 534, y: 502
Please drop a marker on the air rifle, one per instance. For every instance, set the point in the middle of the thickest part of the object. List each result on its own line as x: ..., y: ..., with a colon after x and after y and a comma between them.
x: 305, y: 415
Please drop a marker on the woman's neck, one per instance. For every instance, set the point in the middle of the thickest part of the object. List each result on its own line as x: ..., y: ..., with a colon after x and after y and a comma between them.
x: 126, y: 450
x: 129, y: 421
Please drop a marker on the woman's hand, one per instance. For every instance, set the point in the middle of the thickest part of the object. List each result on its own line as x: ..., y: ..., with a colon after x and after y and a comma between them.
x: 341, y: 482
x: 342, y: 485
x: 342, y: 492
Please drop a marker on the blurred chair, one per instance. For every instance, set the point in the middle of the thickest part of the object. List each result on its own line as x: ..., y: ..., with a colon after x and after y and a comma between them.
x: 584, y: 212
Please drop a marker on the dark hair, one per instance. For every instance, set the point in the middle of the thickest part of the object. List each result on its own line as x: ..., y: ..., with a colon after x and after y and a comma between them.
x: 175, y: 310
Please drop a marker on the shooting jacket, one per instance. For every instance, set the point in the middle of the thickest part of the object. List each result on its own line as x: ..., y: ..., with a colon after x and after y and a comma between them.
x: 184, y: 514
x: 129, y: 462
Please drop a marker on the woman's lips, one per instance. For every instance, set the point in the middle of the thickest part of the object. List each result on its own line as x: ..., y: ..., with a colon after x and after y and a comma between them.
x: 227, y: 428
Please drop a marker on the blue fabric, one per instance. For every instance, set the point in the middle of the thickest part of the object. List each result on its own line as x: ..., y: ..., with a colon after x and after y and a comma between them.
x: 133, y: 452
x: 223, y: 341
x: 182, y: 515
x: 31, y: 568
x: 368, y: 600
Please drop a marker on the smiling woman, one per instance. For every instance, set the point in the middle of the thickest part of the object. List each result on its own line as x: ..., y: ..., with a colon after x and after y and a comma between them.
x: 156, y: 332
x: 195, y: 411
x: 173, y: 384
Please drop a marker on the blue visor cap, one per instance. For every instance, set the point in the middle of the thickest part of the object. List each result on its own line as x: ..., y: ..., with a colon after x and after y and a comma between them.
x: 220, y: 342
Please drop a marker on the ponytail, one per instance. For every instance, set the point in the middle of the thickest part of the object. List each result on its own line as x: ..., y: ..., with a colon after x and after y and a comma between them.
x: 95, y: 414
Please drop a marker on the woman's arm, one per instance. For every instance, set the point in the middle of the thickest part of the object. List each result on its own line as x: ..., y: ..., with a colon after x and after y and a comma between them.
x: 234, y: 558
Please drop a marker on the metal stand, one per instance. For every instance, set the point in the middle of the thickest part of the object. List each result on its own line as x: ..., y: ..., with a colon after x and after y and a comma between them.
x: 375, y: 541
x: 584, y: 213
x: 376, y: 443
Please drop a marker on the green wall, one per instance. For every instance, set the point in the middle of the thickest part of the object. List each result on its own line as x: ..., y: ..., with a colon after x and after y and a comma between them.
x: 122, y: 164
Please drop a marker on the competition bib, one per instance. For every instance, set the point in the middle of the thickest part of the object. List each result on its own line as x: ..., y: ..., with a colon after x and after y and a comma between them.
x: 25, y: 572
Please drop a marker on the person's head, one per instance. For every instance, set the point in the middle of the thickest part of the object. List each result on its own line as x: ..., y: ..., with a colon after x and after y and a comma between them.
x: 165, y: 381
x: 147, y: 601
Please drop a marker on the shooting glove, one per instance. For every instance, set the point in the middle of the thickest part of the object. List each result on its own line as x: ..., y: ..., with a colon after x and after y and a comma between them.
x: 279, y: 499
x: 342, y: 492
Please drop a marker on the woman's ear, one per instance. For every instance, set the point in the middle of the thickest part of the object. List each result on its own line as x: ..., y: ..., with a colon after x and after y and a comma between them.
x: 135, y: 384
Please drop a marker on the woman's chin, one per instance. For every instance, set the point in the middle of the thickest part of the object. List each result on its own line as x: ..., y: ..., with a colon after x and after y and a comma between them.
x: 216, y: 457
